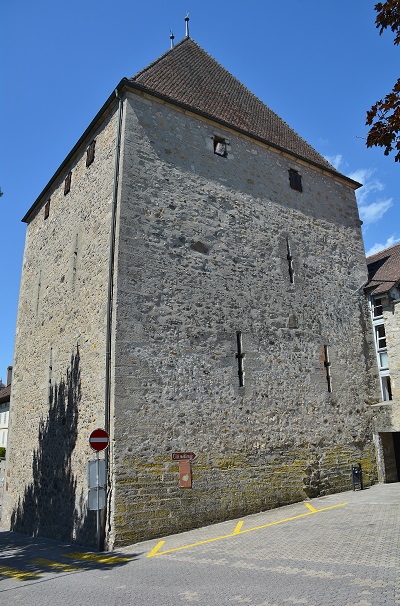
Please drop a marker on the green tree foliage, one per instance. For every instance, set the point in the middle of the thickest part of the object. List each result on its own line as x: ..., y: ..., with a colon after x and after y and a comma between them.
x: 384, y: 116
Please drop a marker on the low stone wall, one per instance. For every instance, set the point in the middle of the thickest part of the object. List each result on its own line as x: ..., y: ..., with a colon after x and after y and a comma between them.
x: 149, y: 502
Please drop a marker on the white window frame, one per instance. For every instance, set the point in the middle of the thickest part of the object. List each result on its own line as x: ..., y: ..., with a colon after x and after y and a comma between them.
x: 384, y: 372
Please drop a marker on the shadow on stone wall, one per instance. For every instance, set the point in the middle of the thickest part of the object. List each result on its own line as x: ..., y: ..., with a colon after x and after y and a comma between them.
x: 48, y: 505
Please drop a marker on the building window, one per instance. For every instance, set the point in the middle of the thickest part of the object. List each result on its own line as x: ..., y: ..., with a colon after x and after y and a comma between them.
x: 377, y: 308
x: 380, y: 341
x: 47, y: 209
x: 376, y: 305
x: 386, y: 388
x: 295, y: 180
x: 220, y: 147
x: 67, y: 183
x: 90, y: 153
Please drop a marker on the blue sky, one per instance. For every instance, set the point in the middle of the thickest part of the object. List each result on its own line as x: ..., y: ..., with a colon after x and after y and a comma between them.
x: 319, y: 64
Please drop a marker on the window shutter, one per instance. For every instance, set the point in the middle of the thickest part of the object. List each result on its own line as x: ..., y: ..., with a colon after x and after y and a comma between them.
x: 90, y: 153
x: 67, y: 183
x: 47, y: 209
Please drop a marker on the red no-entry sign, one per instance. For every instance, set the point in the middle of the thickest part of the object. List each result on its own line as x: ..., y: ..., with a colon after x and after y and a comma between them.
x: 98, y: 439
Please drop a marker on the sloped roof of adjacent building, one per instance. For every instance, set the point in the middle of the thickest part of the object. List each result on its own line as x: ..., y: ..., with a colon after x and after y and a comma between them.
x: 188, y: 75
x: 384, y: 270
x: 5, y: 394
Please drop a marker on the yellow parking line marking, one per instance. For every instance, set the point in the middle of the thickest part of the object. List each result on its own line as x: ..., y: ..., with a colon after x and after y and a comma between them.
x: 19, y: 575
x: 95, y: 557
x: 238, y: 527
x: 310, y: 507
x: 302, y: 515
x: 57, y: 565
x: 156, y: 551
x: 156, y: 548
x: 226, y: 536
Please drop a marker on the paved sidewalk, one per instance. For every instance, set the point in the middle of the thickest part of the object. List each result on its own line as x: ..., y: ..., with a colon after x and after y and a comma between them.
x: 344, y: 553
x: 338, y: 550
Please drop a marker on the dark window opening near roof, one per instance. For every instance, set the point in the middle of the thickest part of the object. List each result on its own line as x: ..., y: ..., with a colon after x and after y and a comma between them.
x: 47, y: 209
x: 295, y: 180
x: 377, y: 308
x: 67, y: 183
x: 90, y: 153
x: 220, y: 147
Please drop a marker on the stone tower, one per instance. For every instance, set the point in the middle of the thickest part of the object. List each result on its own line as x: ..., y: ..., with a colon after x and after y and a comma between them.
x: 191, y: 283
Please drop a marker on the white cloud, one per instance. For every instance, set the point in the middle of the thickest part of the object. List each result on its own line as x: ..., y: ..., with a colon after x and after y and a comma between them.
x: 378, y: 247
x: 370, y: 211
x: 336, y: 161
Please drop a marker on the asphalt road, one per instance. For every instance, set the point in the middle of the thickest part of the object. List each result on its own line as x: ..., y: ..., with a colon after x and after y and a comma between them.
x: 339, y: 550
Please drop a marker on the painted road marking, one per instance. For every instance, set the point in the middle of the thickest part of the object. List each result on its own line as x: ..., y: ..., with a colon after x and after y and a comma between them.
x: 57, y: 565
x: 238, y: 531
x: 238, y: 527
x: 19, y: 575
x: 96, y: 557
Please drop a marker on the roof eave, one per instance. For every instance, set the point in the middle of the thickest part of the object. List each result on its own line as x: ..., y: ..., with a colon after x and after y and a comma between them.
x: 85, y: 136
x: 184, y: 106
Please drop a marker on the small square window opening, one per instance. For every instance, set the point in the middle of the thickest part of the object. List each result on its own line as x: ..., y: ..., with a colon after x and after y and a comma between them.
x: 295, y: 180
x: 220, y: 147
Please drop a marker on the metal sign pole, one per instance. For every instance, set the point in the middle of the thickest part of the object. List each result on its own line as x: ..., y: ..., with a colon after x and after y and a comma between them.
x: 98, y: 440
x: 98, y: 501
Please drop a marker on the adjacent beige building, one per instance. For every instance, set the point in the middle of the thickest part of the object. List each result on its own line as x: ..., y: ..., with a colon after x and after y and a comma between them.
x: 383, y: 290
x: 192, y: 283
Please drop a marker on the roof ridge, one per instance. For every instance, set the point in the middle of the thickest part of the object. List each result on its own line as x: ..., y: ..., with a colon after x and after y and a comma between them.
x: 160, y: 58
x: 383, y: 250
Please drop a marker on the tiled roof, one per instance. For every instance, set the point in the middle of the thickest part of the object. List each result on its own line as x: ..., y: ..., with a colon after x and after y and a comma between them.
x: 5, y: 394
x: 188, y: 75
x: 384, y: 270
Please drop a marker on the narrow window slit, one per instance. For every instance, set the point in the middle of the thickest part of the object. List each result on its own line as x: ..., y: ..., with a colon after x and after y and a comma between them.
x: 38, y: 291
x: 290, y: 261
x: 67, y: 183
x: 47, y: 209
x: 327, y: 365
x: 240, y: 357
x: 75, y: 262
x: 51, y: 365
x: 90, y: 153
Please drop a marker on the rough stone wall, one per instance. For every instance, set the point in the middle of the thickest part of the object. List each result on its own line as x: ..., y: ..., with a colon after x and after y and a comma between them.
x: 59, y: 366
x: 202, y: 254
x: 391, y: 319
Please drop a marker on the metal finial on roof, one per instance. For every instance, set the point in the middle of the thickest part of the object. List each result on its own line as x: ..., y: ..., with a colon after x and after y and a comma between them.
x: 187, y: 25
x: 171, y: 37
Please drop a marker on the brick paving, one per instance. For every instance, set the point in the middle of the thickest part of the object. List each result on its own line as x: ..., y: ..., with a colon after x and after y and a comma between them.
x: 346, y: 556
x: 338, y: 550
